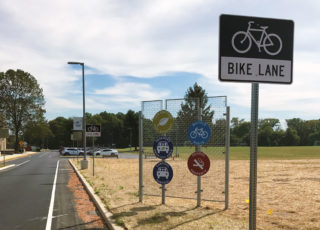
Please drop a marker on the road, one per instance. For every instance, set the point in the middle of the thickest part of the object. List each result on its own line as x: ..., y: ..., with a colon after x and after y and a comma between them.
x: 34, y: 194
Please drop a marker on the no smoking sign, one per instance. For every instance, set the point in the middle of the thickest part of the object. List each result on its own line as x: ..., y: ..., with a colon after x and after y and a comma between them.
x: 198, y: 163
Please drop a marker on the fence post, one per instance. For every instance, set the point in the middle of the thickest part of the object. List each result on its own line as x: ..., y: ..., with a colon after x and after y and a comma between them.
x: 198, y: 149
x: 140, y: 156
x: 227, y: 136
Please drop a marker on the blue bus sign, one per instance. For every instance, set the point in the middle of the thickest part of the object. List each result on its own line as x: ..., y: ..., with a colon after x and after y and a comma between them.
x: 162, y: 147
x: 199, y: 133
x: 162, y: 173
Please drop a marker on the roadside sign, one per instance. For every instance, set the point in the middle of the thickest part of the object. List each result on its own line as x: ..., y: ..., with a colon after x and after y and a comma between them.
x: 21, y: 143
x: 199, y: 133
x: 76, y: 136
x: 163, y: 121
x: 162, y: 173
x: 198, y: 163
x: 77, y: 123
x: 93, y: 130
x: 162, y: 147
x: 254, y: 49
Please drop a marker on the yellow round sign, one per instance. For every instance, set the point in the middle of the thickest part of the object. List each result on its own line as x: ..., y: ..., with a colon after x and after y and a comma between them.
x: 21, y: 144
x: 163, y: 121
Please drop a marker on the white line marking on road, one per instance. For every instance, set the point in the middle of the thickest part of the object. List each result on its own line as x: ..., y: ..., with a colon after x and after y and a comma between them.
x: 49, y: 219
x: 23, y: 163
x: 6, y: 167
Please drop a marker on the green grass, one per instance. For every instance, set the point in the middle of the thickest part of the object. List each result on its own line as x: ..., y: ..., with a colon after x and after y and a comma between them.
x: 285, y: 152
x: 243, y: 153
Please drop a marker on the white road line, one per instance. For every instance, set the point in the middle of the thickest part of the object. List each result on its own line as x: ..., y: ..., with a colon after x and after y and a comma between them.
x: 49, y: 219
x: 23, y: 163
x: 6, y: 167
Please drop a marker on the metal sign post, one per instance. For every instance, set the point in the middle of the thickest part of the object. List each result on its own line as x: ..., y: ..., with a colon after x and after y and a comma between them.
x: 245, y: 58
x: 253, y: 155
x: 93, y: 156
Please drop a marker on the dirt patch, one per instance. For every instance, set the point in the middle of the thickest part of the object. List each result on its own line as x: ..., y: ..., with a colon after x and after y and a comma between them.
x: 86, y: 210
x: 288, y: 197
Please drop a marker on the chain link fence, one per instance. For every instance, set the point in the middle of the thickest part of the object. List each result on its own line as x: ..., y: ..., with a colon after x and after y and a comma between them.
x: 214, y: 184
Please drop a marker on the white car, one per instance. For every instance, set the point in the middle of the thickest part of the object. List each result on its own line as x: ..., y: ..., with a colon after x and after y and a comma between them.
x: 163, y: 147
x: 70, y: 151
x: 106, y: 152
x: 162, y: 172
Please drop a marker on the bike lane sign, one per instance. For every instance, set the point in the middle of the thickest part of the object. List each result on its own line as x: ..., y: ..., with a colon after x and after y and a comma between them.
x: 254, y: 49
x: 199, y: 133
x: 198, y: 163
x: 162, y: 147
x: 162, y: 173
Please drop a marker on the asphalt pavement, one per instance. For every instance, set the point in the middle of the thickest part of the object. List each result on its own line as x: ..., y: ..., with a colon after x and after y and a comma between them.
x: 26, y: 194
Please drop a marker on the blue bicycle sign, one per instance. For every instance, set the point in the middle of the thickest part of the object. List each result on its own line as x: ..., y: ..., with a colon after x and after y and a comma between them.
x: 199, y: 133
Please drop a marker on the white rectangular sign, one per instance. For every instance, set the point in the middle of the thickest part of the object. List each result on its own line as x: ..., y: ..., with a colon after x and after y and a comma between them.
x: 77, y: 123
x: 255, y: 70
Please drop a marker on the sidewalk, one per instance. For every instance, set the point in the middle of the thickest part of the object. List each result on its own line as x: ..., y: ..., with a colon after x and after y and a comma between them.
x: 15, y: 156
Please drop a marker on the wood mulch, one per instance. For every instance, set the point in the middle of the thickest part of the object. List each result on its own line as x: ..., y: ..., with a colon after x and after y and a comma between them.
x: 85, y: 207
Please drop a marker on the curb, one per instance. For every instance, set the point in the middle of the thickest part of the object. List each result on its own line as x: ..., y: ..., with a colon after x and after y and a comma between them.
x: 106, y: 215
x: 6, y: 167
x: 10, y: 158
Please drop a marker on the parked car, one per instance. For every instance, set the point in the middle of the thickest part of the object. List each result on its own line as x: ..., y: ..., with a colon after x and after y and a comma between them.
x: 106, y: 152
x: 81, y: 151
x: 69, y: 151
x: 91, y: 150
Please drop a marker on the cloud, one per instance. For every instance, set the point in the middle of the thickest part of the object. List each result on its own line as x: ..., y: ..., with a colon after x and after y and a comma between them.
x: 147, y: 39
x: 132, y: 92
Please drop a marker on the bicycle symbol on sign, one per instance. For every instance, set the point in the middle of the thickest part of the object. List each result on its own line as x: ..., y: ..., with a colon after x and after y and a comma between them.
x: 242, y: 41
x: 199, y: 132
x: 93, y: 129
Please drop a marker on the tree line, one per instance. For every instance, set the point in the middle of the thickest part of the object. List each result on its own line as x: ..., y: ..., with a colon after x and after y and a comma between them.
x: 22, y: 112
x: 298, y: 132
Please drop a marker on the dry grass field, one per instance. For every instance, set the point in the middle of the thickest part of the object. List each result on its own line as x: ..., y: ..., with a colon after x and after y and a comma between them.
x: 288, y: 197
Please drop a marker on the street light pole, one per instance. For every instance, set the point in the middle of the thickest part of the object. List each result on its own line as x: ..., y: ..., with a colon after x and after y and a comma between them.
x: 84, y: 162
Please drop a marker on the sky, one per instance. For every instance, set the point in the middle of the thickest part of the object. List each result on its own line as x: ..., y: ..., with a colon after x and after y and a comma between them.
x: 139, y: 50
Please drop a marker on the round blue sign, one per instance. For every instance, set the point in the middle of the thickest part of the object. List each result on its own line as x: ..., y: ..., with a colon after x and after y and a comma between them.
x: 199, y: 133
x: 162, y: 147
x: 162, y: 173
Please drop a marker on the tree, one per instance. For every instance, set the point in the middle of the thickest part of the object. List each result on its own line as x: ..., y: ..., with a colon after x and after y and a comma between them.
x: 61, y: 129
x: 291, y: 137
x: 38, y: 133
x: 194, y: 105
x: 21, y: 100
x: 196, y: 99
x: 111, y: 129
x: 239, y: 132
x: 131, y: 123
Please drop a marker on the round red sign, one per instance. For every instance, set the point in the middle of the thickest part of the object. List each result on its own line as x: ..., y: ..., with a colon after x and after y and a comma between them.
x: 198, y: 163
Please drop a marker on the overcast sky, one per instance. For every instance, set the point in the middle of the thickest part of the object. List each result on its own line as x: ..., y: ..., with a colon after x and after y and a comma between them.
x: 145, y: 50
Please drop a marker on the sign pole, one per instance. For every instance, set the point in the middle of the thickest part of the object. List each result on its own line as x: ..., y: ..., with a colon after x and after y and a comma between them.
x: 198, y: 149
x: 163, y: 191
x: 253, y: 155
x: 93, y: 156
